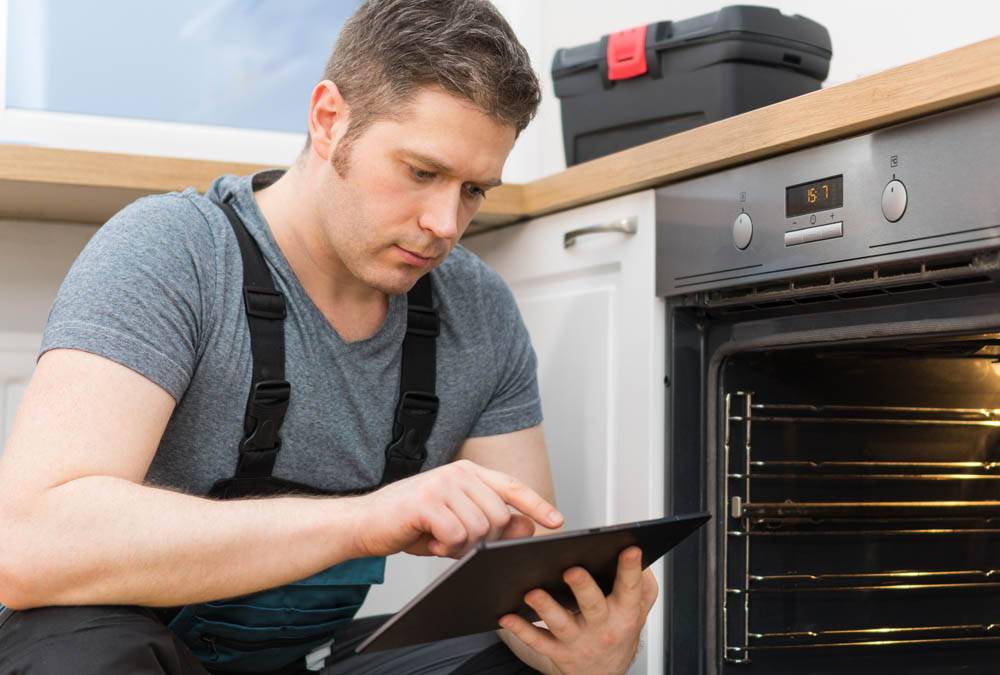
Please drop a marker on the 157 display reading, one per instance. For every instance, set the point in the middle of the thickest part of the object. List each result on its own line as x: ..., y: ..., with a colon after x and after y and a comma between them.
x: 819, y: 195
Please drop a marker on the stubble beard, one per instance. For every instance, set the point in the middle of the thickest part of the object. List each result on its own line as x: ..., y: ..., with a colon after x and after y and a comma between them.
x: 354, y: 257
x: 364, y: 258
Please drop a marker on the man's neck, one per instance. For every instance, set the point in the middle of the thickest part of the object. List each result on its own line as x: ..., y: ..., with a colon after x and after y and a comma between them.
x: 356, y: 311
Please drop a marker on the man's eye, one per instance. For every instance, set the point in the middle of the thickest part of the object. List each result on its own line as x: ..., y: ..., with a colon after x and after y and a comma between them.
x: 421, y: 175
x: 475, y: 191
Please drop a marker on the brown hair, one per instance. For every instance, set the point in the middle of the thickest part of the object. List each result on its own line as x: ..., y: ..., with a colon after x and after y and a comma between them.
x: 390, y: 48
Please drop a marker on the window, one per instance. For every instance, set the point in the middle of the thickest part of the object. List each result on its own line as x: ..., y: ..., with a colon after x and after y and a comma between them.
x: 237, y: 64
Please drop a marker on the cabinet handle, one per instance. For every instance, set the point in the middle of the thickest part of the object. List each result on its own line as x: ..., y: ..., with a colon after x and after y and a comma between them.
x: 625, y: 226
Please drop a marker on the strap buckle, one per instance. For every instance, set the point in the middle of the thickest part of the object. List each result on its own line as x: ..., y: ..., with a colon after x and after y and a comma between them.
x: 264, y: 303
x: 422, y: 320
x: 267, y: 406
x: 415, y: 417
x: 417, y: 410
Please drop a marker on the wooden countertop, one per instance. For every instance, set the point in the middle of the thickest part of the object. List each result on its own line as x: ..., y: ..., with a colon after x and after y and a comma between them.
x: 82, y: 186
x: 89, y: 187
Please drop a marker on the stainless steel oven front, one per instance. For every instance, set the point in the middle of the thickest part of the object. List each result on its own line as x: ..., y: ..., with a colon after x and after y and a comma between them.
x: 833, y: 373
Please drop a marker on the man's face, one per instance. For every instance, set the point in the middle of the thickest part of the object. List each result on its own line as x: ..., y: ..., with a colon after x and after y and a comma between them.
x: 411, y: 187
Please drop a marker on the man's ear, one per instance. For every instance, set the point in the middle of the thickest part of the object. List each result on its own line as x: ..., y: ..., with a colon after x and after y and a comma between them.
x: 328, y: 118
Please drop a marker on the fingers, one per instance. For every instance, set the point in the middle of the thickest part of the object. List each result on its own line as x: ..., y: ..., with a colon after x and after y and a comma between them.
x: 628, y: 579
x: 519, y: 526
x: 650, y: 590
x: 537, y: 638
x: 479, y: 513
x: 589, y: 596
x: 458, y: 505
x: 561, y: 623
x: 491, y: 505
x: 425, y: 545
x: 483, y: 513
x: 521, y: 497
x: 447, y: 530
x: 477, y: 526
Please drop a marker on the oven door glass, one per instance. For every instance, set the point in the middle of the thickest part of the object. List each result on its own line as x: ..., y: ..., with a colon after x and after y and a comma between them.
x: 857, y: 491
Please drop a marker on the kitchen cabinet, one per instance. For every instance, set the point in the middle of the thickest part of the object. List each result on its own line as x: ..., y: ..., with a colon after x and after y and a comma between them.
x: 598, y: 330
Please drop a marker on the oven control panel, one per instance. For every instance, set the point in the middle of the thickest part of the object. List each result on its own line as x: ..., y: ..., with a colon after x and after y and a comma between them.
x: 917, y: 190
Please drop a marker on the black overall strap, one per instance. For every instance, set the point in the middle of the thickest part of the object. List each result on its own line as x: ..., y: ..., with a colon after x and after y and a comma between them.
x: 417, y: 408
x: 269, y: 391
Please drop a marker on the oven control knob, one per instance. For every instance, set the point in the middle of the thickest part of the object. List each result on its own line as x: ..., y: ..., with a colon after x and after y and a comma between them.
x: 894, y: 201
x: 742, y: 231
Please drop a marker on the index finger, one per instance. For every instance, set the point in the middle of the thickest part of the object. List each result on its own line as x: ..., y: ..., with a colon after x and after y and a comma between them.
x: 521, y: 497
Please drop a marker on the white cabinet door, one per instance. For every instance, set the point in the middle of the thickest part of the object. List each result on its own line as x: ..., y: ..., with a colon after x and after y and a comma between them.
x: 598, y: 330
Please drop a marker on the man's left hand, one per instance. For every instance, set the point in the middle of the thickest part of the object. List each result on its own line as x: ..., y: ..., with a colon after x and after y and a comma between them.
x: 603, y: 638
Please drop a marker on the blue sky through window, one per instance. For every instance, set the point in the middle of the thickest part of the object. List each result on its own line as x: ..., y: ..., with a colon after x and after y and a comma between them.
x: 237, y: 63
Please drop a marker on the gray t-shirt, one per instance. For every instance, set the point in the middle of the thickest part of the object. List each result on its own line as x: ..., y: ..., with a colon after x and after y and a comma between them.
x: 159, y: 290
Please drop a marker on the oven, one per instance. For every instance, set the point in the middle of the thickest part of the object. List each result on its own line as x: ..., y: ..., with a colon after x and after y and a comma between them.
x: 833, y: 379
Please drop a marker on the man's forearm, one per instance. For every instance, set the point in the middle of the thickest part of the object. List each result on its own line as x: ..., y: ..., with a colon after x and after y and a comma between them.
x: 104, y: 540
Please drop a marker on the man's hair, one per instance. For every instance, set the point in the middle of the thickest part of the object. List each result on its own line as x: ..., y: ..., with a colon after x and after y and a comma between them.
x: 389, y: 49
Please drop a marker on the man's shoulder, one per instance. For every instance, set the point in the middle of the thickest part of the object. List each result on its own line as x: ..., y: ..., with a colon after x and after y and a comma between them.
x: 182, y: 213
x: 174, y: 234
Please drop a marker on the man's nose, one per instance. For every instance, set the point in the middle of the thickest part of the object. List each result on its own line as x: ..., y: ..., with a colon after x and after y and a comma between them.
x: 440, y: 215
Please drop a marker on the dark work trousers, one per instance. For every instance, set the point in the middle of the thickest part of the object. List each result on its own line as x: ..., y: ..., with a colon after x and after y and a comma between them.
x: 113, y: 640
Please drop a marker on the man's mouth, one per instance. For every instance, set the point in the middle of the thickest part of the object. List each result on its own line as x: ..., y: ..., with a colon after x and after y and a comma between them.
x: 413, y: 257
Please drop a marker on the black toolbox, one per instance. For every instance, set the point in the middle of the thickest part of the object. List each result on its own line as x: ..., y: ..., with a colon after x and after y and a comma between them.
x: 645, y: 83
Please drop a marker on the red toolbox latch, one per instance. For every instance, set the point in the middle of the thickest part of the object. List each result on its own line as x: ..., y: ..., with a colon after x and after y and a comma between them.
x: 627, y: 53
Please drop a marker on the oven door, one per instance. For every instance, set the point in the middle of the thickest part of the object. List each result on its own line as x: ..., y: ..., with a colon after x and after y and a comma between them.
x: 850, y: 452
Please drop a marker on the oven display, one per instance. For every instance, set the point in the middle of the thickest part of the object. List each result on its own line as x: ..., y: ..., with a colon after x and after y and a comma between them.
x: 819, y: 195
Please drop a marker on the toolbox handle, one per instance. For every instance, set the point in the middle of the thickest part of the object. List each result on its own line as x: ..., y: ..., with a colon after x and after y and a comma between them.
x: 627, y: 54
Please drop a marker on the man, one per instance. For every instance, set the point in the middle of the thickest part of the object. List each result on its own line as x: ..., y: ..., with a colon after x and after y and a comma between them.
x: 129, y: 543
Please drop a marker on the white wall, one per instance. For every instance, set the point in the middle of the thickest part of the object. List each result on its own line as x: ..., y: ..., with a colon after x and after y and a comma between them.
x: 868, y: 36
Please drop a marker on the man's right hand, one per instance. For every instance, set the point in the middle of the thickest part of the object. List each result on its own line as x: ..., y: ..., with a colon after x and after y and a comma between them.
x: 448, y: 510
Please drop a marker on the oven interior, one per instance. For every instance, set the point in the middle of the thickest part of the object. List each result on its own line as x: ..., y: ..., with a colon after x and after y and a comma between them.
x: 858, y: 509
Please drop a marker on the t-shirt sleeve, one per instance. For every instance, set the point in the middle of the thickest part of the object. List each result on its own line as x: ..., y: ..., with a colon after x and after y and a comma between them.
x: 515, y: 403
x: 140, y: 292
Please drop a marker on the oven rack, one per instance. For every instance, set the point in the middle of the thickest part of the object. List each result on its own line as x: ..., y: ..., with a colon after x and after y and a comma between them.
x: 886, y: 511
x: 748, y: 520
x: 804, y: 413
x: 839, y: 464
x: 890, y: 636
x: 871, y: 581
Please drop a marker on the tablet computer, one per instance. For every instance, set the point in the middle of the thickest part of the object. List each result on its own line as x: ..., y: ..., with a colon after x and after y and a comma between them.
x: 492, y: 578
